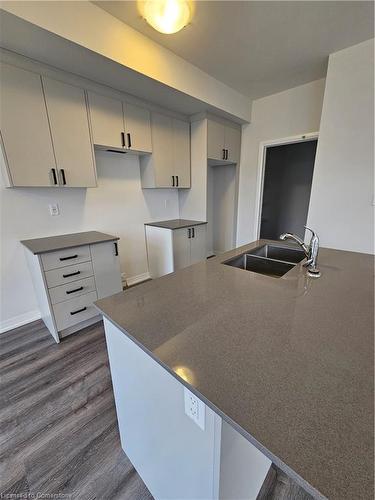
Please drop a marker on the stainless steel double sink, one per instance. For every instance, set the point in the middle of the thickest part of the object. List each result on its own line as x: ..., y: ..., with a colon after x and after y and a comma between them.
x: 271, y: 260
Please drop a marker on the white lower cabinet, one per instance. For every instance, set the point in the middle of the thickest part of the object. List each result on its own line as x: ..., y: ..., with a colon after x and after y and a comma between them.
x: 68, y: 281
x: 171, y: 249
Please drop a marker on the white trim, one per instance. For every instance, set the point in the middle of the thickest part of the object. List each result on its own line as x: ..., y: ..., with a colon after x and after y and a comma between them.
x: 260, y: 174
x: 138, y: 279
x: 20, y: 320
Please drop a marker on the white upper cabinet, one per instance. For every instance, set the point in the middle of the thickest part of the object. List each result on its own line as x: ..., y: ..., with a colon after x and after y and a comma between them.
x: 119, y: 125
x: 67, y: 112
x: 181, y: 151
x: 223, y: 142
x: 25, y: 130
x: 169, y: 164
x: 107, y: 121
x: 215, y: 140
x: 232, y: 144
x: 137, y: 128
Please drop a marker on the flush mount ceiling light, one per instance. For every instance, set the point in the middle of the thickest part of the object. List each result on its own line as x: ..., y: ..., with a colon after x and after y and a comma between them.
x: 166, y: 16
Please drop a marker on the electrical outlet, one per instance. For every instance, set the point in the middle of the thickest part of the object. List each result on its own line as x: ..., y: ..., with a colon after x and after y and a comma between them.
x: 54, y: 209
x: 194, y: 408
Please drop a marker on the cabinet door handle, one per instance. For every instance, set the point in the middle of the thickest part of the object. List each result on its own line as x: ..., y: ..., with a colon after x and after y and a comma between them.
x: 71, y: 274
x: 116, y: 248
x: 177, y: 180
x: 63, y: 178
x: 189, y: 233
x: 54, y: 176
x: 68, y: 258
x: 75, y: 290
x: 78, y: 311
x: 129, y: 141
x: 223, y: 154
x: 172, y: 180
x: 193, y: 232
x: 226, y: 157
x: 123, y: 139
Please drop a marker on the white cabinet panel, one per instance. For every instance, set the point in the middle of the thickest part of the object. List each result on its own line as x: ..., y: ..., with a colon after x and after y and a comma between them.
x: 73, y: 311
x: 106, y: 265
x: 65, y: 257
x: 67, y: 112
x: 233, y: 144
x: 198, y: 250
x: 181, y: 248
x: 175, y: 458
x: 170, y: 154
x: 24, y: 128
x: 56, y: 277
x: 181, y: 152
x: 215, y: 140
x: 137, y: 128
x: 71, y: 290
x: 107, y: 122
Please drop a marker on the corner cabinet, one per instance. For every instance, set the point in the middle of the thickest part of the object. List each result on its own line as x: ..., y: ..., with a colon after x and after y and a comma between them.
x: 223, y: 142
x: 171, y: 249
x: 169, y: 164
x: 45, y: 134
x: 119, y: 125
x: 68, y: 281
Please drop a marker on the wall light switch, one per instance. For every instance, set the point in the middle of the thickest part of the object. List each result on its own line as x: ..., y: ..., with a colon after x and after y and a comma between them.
x: 54, y: 209
x: 195, y: 408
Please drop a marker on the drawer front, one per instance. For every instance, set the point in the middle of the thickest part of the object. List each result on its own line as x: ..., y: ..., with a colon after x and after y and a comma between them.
x: 72, y: 290
x: 73, y: 311
x: 66, y: 257
x: 68, y: 274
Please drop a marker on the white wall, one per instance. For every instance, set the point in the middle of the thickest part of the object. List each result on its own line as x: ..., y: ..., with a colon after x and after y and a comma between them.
x: 292, y: 112
x: 342, y: 193
x: 118, y: 206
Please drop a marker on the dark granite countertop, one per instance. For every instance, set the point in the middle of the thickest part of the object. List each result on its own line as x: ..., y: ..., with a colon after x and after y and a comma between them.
x: 175, y: 223
x: 52, y: 243
x: 287, y: 361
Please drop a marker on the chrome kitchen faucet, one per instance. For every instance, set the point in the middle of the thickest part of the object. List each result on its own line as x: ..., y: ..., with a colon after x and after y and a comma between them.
x: 311, y: 251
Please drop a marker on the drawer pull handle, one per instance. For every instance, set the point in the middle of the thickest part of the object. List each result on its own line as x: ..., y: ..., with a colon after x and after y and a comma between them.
x: 54, y: 176
x: 78, y: 311
x: 129, y: 141
x: 62, y: 171
x: 116, y: 248
x: 123, y: 139
x: 75, y: 290
x: 68, y: 258
x: 71, y: 274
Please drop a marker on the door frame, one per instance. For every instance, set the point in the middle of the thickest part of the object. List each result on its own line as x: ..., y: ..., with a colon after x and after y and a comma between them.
x: 309, y: 136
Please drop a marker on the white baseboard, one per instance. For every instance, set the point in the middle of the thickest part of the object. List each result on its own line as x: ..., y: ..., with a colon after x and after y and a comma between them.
x: 138, y: 279
x: 22, y: 319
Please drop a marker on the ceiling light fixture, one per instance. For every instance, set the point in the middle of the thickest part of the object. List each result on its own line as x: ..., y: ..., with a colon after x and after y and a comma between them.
x: 166, y: 16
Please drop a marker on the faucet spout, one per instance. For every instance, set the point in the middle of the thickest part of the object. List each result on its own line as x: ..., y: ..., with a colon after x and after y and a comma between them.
x: 290, y: 236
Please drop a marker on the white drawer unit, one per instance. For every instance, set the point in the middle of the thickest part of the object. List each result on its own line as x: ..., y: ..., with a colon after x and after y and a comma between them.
x: 70, y: 273
x: 63, y: 275
x: 72, y: 290
x: 66, y: 257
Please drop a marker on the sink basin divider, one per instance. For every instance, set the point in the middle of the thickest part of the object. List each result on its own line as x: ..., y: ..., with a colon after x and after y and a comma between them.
x: 269, y: 258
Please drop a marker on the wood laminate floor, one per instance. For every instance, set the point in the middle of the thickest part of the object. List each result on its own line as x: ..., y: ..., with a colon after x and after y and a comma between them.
x: 58, y: 428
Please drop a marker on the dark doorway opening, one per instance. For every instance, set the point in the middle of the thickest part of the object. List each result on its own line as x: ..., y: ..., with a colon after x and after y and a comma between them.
x: 288, y: 174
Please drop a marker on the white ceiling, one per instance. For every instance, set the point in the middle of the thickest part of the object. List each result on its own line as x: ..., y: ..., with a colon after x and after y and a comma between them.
x: 261, y: 47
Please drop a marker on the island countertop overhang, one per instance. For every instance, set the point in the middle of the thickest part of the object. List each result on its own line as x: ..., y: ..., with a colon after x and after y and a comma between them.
x: 288, y: 362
